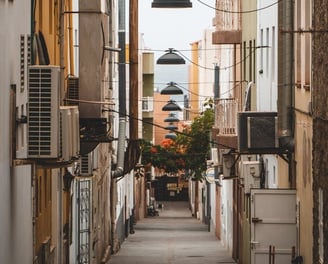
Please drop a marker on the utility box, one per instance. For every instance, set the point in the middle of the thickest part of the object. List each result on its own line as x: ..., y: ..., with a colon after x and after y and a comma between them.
x: 250, y: 175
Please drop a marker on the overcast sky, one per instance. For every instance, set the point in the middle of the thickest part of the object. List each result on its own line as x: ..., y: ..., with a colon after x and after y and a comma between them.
x: 174, y: 28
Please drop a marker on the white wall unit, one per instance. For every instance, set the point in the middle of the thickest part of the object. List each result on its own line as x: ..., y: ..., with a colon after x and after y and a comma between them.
x: 43, y: 112
x: 250, y: 175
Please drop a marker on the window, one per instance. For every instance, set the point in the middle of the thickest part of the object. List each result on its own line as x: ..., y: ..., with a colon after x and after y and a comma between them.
x: 261, y: 51
x: 320, y: 225
x: 307, y: 58
x: 298, y: 43
x: 250, y: 60
x: 273, y: 55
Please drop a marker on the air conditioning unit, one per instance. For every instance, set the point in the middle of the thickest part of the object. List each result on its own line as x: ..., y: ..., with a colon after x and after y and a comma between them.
x: 250, y: 175
x: 258, y: 132
x: 43, y: 112
x: 69, y: 132
x: 75, y: 131
x: 73, y: 89
x: 86, y: 164
x: 65, y: 133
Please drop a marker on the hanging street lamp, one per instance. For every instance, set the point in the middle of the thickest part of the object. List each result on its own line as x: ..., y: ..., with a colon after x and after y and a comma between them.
x: 171, y: 118
x: 171, y: 135
x: 171, y: 106
x: 171, y: 4
x: 170, y: 57
x: 172, y: 88
x: 171, y: 127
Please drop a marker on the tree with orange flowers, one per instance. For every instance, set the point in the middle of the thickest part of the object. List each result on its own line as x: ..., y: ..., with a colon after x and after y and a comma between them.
x: 188, y: 152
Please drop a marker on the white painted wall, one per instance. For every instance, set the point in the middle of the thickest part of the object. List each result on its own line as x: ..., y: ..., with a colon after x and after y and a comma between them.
x: 267, y: 38
x: 207, y: 60
x: 213, y: 206
x: 16, y: 238
x: 227, y: 215
x: 267, y: 90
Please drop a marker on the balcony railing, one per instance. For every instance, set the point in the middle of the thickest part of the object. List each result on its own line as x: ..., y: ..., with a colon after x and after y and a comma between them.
x: 226, y: 116
x: 147, y: 104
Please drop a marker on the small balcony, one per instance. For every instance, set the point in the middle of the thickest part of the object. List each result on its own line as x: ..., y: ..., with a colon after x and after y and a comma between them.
x: 147, y: 106
x: 227, y: 37
x: 225, y: 125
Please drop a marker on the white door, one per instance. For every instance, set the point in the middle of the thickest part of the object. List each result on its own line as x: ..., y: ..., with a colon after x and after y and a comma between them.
x: 273, y: 225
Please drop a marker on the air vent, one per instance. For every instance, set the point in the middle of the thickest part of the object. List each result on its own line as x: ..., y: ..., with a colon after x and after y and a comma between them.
x: 257, y: 132
x: 86, y: 165
x: 43, y: 112
x: 73, y: 90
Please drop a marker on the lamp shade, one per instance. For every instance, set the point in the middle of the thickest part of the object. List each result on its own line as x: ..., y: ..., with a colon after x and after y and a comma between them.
x: 171, y: 106
x: 171, y: 4
x: 171, y: 126
x: 171, y: 135
x: 171, y: 118
x: 170, y: 57
x: 172, y: 88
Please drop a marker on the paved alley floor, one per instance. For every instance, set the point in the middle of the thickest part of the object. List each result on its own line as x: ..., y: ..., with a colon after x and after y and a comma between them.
x: 173, y: 237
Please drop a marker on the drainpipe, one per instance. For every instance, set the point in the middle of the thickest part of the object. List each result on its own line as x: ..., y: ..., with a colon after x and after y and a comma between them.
x: 285, y: 77
x: 247, y: 104
x: 118, y: 172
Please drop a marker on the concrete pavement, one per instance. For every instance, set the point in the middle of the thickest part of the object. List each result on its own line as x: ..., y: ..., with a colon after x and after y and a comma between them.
x: 173, y: 237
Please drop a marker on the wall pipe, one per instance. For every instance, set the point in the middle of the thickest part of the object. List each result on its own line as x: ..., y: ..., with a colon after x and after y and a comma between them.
x: 285, y: 77
x: 118, y: 172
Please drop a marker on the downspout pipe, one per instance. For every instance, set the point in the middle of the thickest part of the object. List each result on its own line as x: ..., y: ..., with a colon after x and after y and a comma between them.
x: 118, y: 172
x: 285, y: 77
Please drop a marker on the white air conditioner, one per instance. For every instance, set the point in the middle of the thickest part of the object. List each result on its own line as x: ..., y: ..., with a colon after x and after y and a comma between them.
x: 250, y: 173
x: 43, y: 112
x: 65, y: 133
x: 86, y: 164
x: 75, y: 130
x: 69, y: 133
x: 73, y: 89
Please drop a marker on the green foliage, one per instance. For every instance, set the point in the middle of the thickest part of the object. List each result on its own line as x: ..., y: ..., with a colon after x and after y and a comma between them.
x: 187, y: 152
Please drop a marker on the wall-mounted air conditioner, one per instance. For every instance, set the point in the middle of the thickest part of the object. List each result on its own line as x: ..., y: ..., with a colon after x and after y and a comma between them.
x: 73, y: 90
x: 75, y: 131
x: 258, y: 132
x: 250, y: 175
x: 69, y: 132
x: 65, y: 133
x: 86, y: 164
x: 43, y: 112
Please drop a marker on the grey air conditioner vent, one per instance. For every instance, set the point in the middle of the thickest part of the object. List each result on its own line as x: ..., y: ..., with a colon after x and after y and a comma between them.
x: 43, y: 112
x: 258, y: 132
x: 73, y: 90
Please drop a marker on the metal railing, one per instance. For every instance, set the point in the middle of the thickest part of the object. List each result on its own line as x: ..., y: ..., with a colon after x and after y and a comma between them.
x: 226, y: 116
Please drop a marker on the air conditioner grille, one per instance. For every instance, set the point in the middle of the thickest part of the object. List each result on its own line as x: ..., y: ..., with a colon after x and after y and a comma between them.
x: 73, y: 89
x: 86, y: 165
x: 42, y: 112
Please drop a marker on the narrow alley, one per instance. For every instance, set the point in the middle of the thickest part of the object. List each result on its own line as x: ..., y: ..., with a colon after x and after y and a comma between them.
x: 173, y: 237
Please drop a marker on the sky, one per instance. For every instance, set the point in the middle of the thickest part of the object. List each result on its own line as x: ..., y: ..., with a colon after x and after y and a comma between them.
x: 164, y: 28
